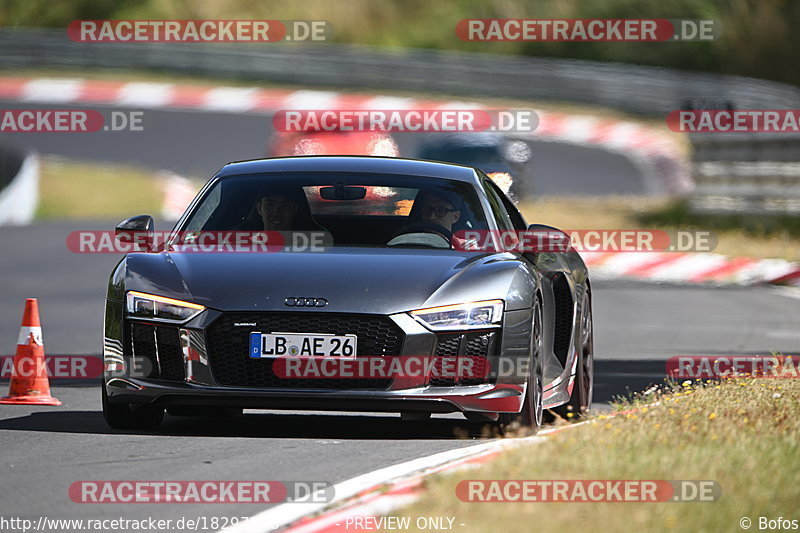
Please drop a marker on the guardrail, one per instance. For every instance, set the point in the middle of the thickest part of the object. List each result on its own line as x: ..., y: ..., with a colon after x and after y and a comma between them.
x: 631, y: 88
x: 748, y: 174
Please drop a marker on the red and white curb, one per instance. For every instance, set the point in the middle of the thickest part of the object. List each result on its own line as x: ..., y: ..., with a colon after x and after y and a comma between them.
x: 378, y: 492
x: 658, y: 153
x: 691, y: 267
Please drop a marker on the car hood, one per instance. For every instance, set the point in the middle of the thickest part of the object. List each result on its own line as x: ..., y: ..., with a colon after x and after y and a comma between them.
x: 353, y: 280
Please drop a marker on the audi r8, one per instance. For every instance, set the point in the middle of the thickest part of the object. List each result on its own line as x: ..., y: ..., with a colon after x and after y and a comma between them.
x: 363, y: 301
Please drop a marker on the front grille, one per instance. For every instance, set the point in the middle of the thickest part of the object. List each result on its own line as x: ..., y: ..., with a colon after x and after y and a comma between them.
x: 159, y: 348
x: 170, y: 354
x: 477, y: 349
x: 445, y: 360
x: 472, y: 349
x: 231, y: 365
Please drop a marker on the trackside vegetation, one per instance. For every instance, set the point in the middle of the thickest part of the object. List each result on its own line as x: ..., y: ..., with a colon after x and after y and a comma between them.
x: 758, y: 38
x: 742, y: 433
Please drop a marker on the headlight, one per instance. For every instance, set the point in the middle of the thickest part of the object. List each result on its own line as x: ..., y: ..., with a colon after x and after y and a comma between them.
x: 474, y: 315
x: 141, y: 305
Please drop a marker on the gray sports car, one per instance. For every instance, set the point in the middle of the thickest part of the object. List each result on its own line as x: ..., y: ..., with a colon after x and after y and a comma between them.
x: 363, y: 284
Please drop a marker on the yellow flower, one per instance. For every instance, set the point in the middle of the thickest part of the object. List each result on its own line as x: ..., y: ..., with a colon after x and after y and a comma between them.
x: 712, y: 416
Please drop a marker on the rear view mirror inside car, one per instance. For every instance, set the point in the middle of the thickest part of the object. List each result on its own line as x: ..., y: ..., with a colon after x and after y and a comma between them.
x: 343, y: 192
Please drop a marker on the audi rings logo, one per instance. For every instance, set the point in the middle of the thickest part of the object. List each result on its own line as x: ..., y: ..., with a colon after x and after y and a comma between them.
x: 306, y: 302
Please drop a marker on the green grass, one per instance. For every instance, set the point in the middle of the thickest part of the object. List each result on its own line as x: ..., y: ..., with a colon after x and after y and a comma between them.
x: 81, y: 190
x: 677, y: 214
x: 743, y: 433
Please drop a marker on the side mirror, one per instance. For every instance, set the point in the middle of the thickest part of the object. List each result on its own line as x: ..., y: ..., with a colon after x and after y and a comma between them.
x: 549, y: 239
x: 137, y: 230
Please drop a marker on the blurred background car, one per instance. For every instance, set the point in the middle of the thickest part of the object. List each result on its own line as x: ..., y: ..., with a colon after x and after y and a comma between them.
x: 377, y: 143
x: 501, y: 158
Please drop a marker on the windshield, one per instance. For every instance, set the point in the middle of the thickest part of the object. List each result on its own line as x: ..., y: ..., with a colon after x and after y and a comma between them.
x: 353, y: 209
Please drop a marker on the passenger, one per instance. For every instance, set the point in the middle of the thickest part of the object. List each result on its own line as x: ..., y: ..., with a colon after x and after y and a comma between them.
x: 280, y: 208
x: 277, y: 211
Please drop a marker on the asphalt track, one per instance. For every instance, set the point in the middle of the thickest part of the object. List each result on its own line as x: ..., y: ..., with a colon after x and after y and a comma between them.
x: 45, y: 449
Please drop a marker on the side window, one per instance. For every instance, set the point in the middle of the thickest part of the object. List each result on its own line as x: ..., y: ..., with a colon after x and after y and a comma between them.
x: 516, y: 217
x: 498, y: 210
x: 205, y: 210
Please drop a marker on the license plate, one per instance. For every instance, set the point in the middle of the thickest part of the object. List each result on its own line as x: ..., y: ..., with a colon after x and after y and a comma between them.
x: 302, y: 345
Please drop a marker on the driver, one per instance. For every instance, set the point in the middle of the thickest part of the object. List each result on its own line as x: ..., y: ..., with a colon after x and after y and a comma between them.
x: 434, y: 214
x: 438, y: 207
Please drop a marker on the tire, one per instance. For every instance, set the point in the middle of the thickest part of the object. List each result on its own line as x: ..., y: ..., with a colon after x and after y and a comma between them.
x: 127, y: 416
x: 531, y: 416
x: 581, y: 399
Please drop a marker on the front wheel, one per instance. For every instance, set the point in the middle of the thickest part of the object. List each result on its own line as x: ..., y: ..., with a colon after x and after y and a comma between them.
x: 531, y: 415
x: 128, y: 416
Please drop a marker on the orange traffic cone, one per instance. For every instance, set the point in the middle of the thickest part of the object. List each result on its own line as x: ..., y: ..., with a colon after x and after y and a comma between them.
x: 29, y: 383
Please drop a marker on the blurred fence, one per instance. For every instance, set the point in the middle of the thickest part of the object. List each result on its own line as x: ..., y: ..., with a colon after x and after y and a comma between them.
x: 635, y: 89
x: 746, y: 173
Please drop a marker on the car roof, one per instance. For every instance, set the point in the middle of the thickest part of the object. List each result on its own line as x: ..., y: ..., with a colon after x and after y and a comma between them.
x: 367, y: 164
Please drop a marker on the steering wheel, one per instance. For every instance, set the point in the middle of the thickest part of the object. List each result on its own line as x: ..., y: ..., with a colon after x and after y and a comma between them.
x: 425, y: 227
